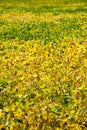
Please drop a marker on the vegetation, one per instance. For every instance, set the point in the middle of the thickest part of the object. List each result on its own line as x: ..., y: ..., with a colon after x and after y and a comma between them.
x: 43, y: 65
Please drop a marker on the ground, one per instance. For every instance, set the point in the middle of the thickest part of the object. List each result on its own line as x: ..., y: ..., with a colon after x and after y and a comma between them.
x: 43, y: 65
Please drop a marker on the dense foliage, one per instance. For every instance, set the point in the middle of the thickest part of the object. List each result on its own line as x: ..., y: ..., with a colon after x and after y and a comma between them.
x: 43, y: 65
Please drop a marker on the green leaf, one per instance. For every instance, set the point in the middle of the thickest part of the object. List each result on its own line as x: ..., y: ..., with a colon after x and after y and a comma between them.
x: 18, y: 120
